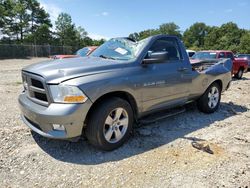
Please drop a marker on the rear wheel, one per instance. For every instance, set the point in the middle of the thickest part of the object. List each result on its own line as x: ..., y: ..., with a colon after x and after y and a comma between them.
x: 110, y: 124
x: 210, y: 100
x: 239, y: 74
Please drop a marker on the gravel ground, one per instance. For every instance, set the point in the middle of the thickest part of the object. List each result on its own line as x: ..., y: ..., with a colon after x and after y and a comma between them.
x: 157, y: 155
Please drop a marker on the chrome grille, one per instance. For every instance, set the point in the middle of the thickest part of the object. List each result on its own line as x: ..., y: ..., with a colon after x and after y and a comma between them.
x: 35, y: 88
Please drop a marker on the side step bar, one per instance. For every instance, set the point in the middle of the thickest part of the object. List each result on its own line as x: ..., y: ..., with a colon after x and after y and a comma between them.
x: 161, y: 115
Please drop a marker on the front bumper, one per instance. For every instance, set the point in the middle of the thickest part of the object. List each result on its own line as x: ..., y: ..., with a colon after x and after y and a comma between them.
x: 41, y: 119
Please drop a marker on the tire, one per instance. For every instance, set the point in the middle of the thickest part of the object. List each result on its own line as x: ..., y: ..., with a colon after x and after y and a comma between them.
x: 110, y: 124
x: 209, y: 102
x: 239, y: 74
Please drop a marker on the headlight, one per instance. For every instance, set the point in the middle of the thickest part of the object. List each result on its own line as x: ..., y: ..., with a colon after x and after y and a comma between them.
x: 67, y: 94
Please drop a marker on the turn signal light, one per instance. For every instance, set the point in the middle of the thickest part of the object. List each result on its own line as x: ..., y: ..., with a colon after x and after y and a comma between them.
x: 74, y: 99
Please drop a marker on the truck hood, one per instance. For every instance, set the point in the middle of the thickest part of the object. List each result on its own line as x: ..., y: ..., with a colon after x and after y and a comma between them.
x: 57, y: 71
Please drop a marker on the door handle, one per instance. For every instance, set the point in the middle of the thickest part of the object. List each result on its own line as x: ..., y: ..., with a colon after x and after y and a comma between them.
x: 182, y: 69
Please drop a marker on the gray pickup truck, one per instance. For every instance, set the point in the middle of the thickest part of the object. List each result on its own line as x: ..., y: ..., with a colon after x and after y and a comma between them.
x: 103, y: 95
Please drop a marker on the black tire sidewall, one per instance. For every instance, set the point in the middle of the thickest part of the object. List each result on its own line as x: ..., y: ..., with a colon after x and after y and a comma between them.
x: 240, y: 74
x: 203, y: 101
x: 98, y: 120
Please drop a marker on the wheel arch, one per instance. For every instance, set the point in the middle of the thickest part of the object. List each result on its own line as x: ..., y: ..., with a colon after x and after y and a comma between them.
x: 219, y: 82
x: 119, y: 94
x: 202, y: 102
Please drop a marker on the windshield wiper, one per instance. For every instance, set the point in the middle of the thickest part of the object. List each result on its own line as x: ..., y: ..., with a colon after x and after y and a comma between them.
x: 106, y: 57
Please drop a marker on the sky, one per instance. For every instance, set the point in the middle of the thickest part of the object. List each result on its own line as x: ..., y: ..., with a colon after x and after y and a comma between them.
x: 117, y: 18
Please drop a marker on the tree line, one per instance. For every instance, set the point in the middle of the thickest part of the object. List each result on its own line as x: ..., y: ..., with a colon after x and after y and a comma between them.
x: 27, y: 22
x: 200, y: 36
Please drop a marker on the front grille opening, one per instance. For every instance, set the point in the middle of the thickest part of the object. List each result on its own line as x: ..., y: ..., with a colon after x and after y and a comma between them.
x: 40, y: 96
x: 36, y: 89
x: 37, y: 83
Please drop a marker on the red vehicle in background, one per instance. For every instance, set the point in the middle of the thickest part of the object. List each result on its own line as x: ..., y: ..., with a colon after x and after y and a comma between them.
x: 244, y: 56
x: 86, y: 51
x: 239, y: 65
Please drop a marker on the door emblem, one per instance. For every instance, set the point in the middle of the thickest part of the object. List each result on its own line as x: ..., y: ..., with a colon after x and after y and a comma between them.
x: 157, y: 83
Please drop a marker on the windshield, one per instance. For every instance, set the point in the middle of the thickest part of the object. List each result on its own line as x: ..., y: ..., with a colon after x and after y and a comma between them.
x: 82, y: 52
x: 204, y: 55
x: 119, y: 49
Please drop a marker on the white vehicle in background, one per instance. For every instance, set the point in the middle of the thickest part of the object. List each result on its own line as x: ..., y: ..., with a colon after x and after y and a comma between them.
x: 190, y: 53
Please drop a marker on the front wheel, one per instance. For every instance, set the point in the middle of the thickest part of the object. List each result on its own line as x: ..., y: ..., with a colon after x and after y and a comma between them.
x: 110, y: 124
x: 209, y: 102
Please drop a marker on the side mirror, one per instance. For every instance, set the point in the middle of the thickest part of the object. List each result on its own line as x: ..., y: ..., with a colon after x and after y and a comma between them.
x: 155, y: 57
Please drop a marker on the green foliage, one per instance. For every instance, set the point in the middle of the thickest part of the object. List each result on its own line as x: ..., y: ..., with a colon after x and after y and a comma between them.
x: 38, y: 15
x: 65, y: 29
x: 170, y: 29
x: 2, y: 15
x: 25, y: 21
x: 211, y: 39
x: 42, y: 35
x: 134, y: 36
x: 81, y: 34
x: 166, y: 28
x: 98, y: 42
x: 147, y: 33
x: 87, y: 41
x: 9, y: 25
x: 22, y: 17
x: 244, y: 46
x: 68, y: 34
x: 194, y: 37
x: 200, y: 36
x: 227, y: 37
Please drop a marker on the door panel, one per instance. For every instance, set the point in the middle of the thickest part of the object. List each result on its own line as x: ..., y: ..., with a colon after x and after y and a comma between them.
x: 165, y: 84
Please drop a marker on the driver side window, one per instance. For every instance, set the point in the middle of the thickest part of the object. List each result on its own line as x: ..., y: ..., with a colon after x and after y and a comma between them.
x: 230, y: 55
x: 168, y: 45
x: 222, y: 55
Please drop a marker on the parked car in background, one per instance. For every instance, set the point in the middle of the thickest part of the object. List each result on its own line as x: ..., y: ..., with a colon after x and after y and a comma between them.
x: 246, y: 57
x: 86, y: 51
x: 62, y: 56
x: 120, y: 83
x: 190, y: 53
x: 80, y: 53
x: 239, y: 65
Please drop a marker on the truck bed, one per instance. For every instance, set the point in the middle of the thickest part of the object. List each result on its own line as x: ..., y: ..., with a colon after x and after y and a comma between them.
x: 203, y: 64
x: 214, y: 66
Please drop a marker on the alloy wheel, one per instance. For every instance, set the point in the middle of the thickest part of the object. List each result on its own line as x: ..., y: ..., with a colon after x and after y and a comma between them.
x: 213, y: 97
x: 116, y: 125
